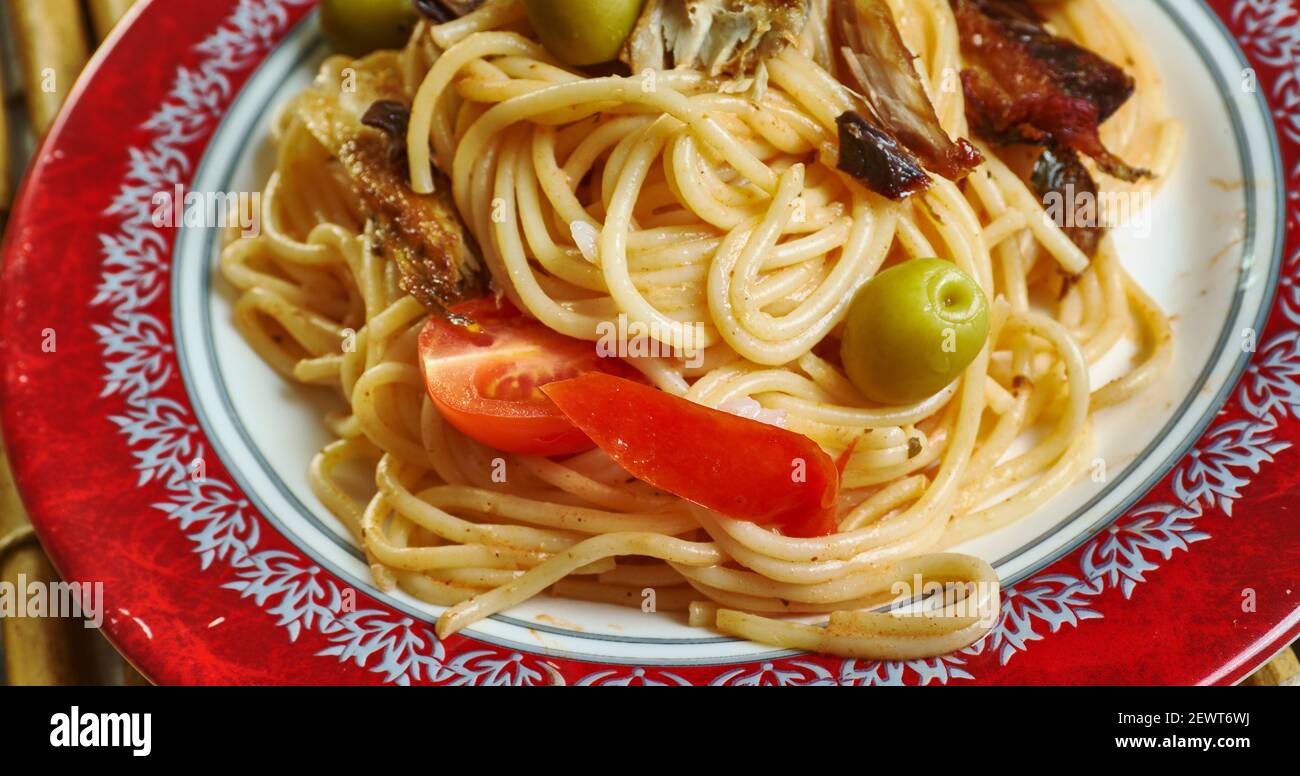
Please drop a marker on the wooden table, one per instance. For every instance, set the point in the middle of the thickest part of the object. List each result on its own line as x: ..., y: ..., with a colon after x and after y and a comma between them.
x: 47, y: 44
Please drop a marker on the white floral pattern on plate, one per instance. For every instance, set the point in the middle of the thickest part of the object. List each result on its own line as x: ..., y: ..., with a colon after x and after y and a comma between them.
x: 165, y: 439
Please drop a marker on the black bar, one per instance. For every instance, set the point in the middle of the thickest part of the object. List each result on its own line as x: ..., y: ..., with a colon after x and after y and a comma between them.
x: 440, y: 727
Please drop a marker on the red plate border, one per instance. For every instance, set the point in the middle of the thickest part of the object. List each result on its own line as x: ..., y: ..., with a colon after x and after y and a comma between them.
x: 1197, y: 583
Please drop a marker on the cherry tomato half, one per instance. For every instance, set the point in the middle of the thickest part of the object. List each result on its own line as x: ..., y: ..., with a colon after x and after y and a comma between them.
x: 486, y: 378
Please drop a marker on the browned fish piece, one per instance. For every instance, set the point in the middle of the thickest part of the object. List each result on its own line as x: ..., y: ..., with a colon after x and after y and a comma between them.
x: 423, y: 233
x: 1025, y: 85
x: 1060, y: 180
x: 879, y: 66
x: 876, y: 158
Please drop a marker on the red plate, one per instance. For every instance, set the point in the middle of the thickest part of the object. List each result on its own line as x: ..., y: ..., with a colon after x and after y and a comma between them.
x: 1197, y: 582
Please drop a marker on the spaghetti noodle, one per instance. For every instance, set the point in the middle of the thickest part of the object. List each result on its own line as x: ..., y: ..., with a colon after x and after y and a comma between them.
x: 710, y: 208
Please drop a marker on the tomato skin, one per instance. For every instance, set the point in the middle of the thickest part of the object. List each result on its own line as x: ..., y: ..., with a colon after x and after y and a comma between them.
x: 484, y: 366
x: 739, y: 467
x: 522, y: 434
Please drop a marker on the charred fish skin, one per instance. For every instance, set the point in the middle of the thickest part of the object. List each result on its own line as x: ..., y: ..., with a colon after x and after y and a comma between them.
x: 1025, y: 85
x: 874, y: 157
x: 1059, y: 174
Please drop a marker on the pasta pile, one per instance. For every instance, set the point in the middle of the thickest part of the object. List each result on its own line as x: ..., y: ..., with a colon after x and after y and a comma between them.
x: 714, y: 220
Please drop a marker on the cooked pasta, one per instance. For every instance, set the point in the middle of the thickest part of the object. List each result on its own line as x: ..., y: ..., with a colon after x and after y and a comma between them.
x: 716, y: 220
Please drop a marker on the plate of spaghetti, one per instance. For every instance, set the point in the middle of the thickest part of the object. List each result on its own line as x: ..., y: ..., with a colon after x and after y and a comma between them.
x: 671, y: 341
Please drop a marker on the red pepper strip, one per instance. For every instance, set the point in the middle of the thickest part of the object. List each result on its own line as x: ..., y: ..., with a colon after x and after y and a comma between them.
x: 740, y: 467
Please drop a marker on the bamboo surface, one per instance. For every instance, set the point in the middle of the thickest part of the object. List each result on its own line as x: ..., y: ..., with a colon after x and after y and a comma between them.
x: 105, y: 14
x: 37, y: 651
x: 6, y: 182
x: 52, y: 45
x: 1281, y: 670
x: 50, y: 38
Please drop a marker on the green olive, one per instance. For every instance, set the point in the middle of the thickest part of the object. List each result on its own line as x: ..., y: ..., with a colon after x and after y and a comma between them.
x: 912, y: 330
x: 583, y: 32
x: 357, y: 27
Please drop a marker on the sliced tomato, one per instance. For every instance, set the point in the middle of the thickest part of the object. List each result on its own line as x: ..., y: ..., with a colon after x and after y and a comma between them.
x: 485, y: 372
x: 740, y: 467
